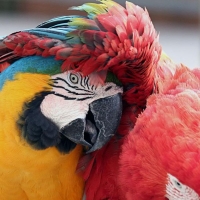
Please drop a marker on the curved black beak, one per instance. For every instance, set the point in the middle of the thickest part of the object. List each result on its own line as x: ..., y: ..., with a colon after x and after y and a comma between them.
x: 99, y: 126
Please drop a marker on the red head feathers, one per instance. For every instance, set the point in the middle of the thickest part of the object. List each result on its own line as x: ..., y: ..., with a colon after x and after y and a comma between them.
x: 128, y: 47
x: 111, y: 37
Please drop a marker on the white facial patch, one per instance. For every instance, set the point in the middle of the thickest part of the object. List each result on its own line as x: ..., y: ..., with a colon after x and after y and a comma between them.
x: 175, y: 190
x: 71, y: 95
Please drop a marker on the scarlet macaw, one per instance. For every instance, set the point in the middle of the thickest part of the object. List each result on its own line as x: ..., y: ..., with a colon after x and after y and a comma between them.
x: 160, y: 157
x: 155, y: 154
x: 136, y: 33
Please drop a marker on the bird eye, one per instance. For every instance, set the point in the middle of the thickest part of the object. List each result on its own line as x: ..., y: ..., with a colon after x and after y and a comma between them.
x: 74, y: 78
x: 178, y: 184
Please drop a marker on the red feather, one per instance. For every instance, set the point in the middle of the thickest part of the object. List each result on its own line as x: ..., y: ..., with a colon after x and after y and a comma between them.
x: 124, y: 42
x: 165, y: 139
x: 133, y: 59
x: 101, y: 172
x: 3, y: 66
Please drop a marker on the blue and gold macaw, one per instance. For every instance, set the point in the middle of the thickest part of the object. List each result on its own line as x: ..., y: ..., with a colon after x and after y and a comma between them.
x: 50, y: 112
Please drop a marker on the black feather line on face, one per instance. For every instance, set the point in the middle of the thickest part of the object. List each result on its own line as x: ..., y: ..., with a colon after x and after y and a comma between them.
x: 39, y: 131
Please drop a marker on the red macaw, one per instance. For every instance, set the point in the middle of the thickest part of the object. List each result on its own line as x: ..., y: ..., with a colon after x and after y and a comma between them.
x: 155, y: 154
x: 133, y: 26
x: 160, y: 156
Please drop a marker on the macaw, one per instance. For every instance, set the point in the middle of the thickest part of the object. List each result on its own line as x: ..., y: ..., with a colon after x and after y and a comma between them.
x: 133, y: 28
x: 160, y: 156
x: 155, y: 154
x: 43, y: 116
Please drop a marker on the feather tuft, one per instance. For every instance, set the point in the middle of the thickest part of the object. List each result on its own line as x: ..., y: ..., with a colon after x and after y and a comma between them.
x: 112, y: 37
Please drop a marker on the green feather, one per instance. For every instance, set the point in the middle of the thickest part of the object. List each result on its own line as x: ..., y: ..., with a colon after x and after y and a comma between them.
x: 92, y: 9
x: 82, y: 23
x: 112, y: 78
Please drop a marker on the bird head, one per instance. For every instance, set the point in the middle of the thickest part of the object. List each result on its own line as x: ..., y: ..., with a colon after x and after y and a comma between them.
x: 61, y: 109
x: 160, y: 157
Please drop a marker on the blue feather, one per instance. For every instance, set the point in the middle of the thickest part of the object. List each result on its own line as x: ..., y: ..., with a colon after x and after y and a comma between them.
x: 58, y: 21
x: 31, y: 64
x: 59, y: 34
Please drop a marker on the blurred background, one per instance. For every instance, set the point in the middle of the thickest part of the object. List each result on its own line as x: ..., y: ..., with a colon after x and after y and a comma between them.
x: 177, y: 21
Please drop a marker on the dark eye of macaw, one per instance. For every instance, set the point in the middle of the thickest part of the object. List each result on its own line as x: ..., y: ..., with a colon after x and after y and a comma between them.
x: 177, y: 190
x: 178, y: 184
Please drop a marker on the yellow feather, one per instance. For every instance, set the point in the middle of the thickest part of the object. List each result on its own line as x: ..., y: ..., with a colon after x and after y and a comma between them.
x: 26, y: 173
x: 94, y: 9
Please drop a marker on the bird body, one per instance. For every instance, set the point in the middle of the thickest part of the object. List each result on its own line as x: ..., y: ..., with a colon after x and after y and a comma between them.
x: 159, y: 158
x: 38, y: 169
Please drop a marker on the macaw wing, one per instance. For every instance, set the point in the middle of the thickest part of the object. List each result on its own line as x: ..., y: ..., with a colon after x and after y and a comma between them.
x: 8, y: 54
x: 24, y: 43
x: 77, y: 42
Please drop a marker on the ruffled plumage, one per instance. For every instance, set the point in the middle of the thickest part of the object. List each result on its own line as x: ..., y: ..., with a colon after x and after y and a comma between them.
x: 111, y: 37
x: 134, y: 52
x: 165, y: 140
